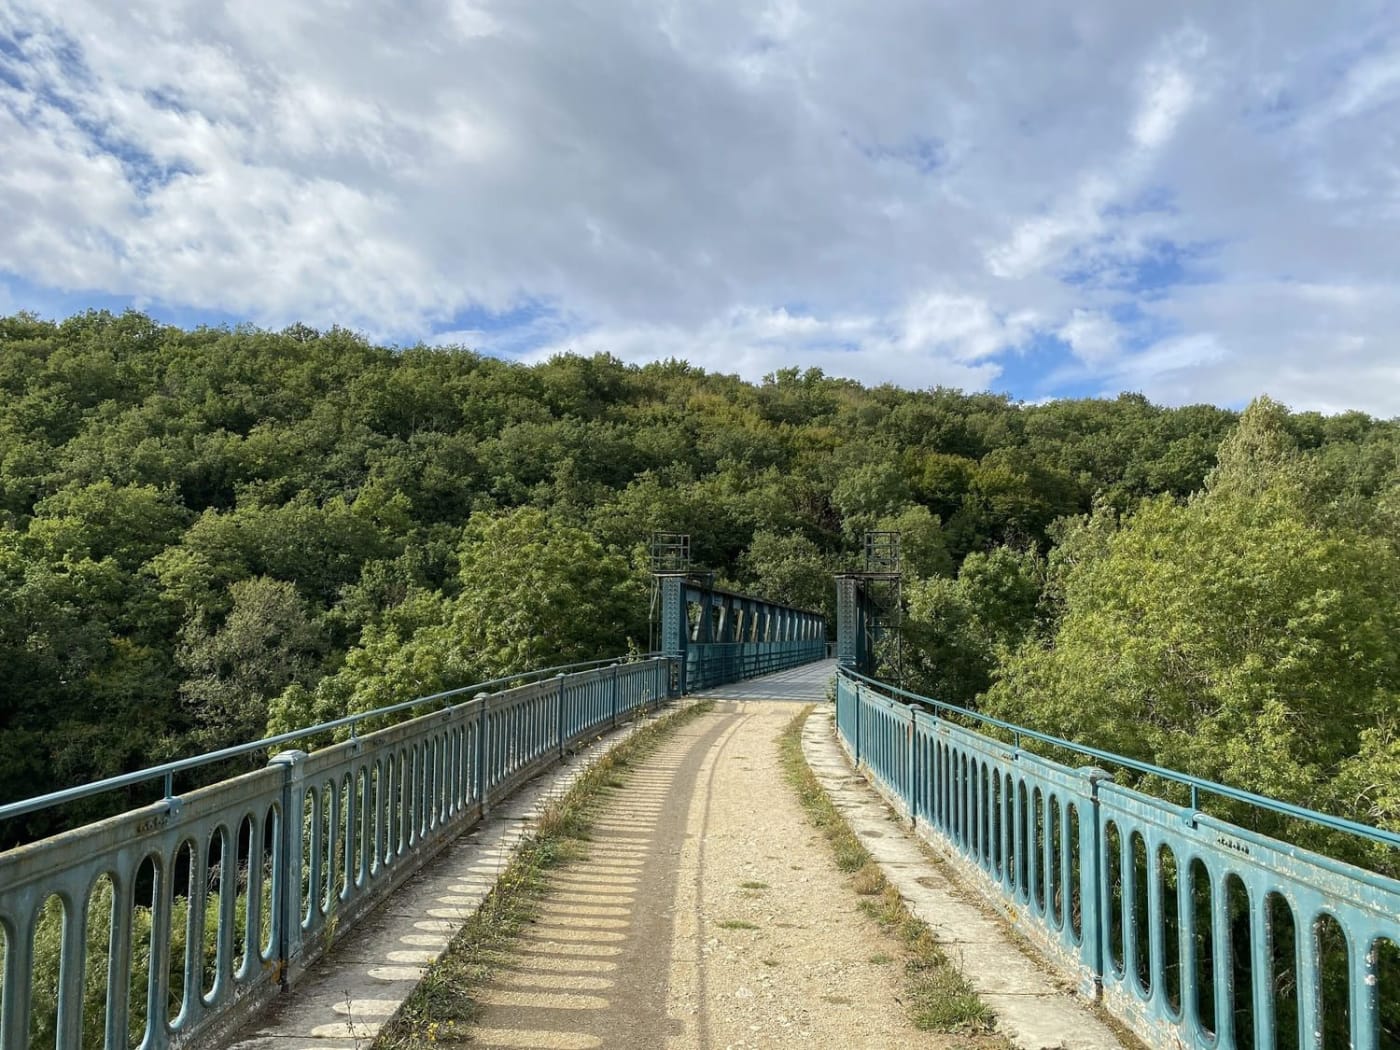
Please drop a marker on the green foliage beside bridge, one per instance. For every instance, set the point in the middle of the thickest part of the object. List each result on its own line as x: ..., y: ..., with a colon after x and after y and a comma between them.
x: 205, y: 531
x: 1246, y: 635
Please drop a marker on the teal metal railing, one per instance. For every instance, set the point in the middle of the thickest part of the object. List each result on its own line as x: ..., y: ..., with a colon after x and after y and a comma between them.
x: 173, y: 923
x: 1195, y: 931
x: 709, y: 664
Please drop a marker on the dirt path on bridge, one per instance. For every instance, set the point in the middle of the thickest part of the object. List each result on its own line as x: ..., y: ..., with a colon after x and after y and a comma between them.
x: 708, y: 914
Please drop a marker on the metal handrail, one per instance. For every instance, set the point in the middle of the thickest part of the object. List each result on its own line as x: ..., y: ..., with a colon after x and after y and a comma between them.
x: 1196, y: 784
x: 167, y: 770
x: 1145, y: 905
x: 296, y: 852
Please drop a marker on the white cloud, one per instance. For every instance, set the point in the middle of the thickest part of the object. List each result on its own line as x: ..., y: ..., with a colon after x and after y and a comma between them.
x: 903, y: 191
x: 1046, y: 239
x: 1167, y: 100
x: 1167, y: 92
x: 1370, y: 83
x: 935, y: 340
x: 471, y: 20
x: 1092, y: 337
x: 1081, y: 220
x: 960, y: 327
x: 1325, y: 346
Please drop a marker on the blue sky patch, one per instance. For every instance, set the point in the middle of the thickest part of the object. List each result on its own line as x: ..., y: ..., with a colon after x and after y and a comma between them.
x: 1044, y: 367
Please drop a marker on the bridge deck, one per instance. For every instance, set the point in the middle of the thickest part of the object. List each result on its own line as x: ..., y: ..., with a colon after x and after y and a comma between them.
x: 806, y: 684
x: 708, y: 912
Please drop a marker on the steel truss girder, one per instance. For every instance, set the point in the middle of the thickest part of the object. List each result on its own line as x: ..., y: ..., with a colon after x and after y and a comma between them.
x: 744, y: 624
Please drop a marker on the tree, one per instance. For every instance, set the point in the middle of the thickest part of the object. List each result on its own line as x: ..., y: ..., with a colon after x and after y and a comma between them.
x: 1240, y: 637
x: 792, y: 570
x: 961, y: 629
x: 129, y: 523
x: 923, y: 548
x: 266, y: 643
x: 534, y: 593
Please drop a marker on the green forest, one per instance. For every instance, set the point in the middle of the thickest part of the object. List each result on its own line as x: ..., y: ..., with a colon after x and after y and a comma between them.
x: 209, y: 533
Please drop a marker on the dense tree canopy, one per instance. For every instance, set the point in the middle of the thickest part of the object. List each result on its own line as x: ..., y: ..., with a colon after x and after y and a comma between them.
x: 203, y: 532
x: 1246, y: 635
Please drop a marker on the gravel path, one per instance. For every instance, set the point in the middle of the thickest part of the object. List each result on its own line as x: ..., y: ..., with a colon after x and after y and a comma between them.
x: 708, y: 914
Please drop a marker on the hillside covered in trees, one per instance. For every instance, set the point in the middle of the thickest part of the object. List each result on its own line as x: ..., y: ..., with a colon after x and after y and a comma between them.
x: 206, y: 533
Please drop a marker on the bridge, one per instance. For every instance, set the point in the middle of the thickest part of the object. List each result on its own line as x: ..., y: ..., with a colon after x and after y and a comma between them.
x: 296, y: 904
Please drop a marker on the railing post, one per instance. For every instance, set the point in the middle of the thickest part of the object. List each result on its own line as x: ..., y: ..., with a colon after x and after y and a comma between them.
x: 614, y: 695
x: 1097, y: 896
x: 482, y: 725
x: 859, y: 718
x: 560, y: 677
x: 912, y: 777
x: 286, y: 872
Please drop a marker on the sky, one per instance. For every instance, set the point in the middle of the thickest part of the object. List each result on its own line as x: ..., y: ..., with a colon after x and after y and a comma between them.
x: 1200, y: 202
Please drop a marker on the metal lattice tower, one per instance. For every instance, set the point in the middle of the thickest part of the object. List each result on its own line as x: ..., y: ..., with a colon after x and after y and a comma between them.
x: 670, y: 556
x: 870, y: 608
x: 670, y: 552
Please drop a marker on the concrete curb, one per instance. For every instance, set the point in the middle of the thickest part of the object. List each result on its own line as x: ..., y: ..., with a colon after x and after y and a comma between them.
x: 1034, y: 1010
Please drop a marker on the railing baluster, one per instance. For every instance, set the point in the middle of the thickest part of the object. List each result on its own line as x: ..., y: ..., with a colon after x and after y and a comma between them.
x: 1222, y: 966
x: 194, y: 947
x: 1127, y: 904
x: 119, y: 968
x: 74, y: 951
x: 1035, y: 831
x: 158, y: 978
x: 19, y: 977
x: 1309, y: 965
x: 1187, y: 941
x: 1365, y: 992
x: 1261, y: 964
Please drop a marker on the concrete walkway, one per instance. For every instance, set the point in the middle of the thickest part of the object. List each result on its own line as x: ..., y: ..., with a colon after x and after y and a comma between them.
x: 805, y: 685
x: 707, y: 914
